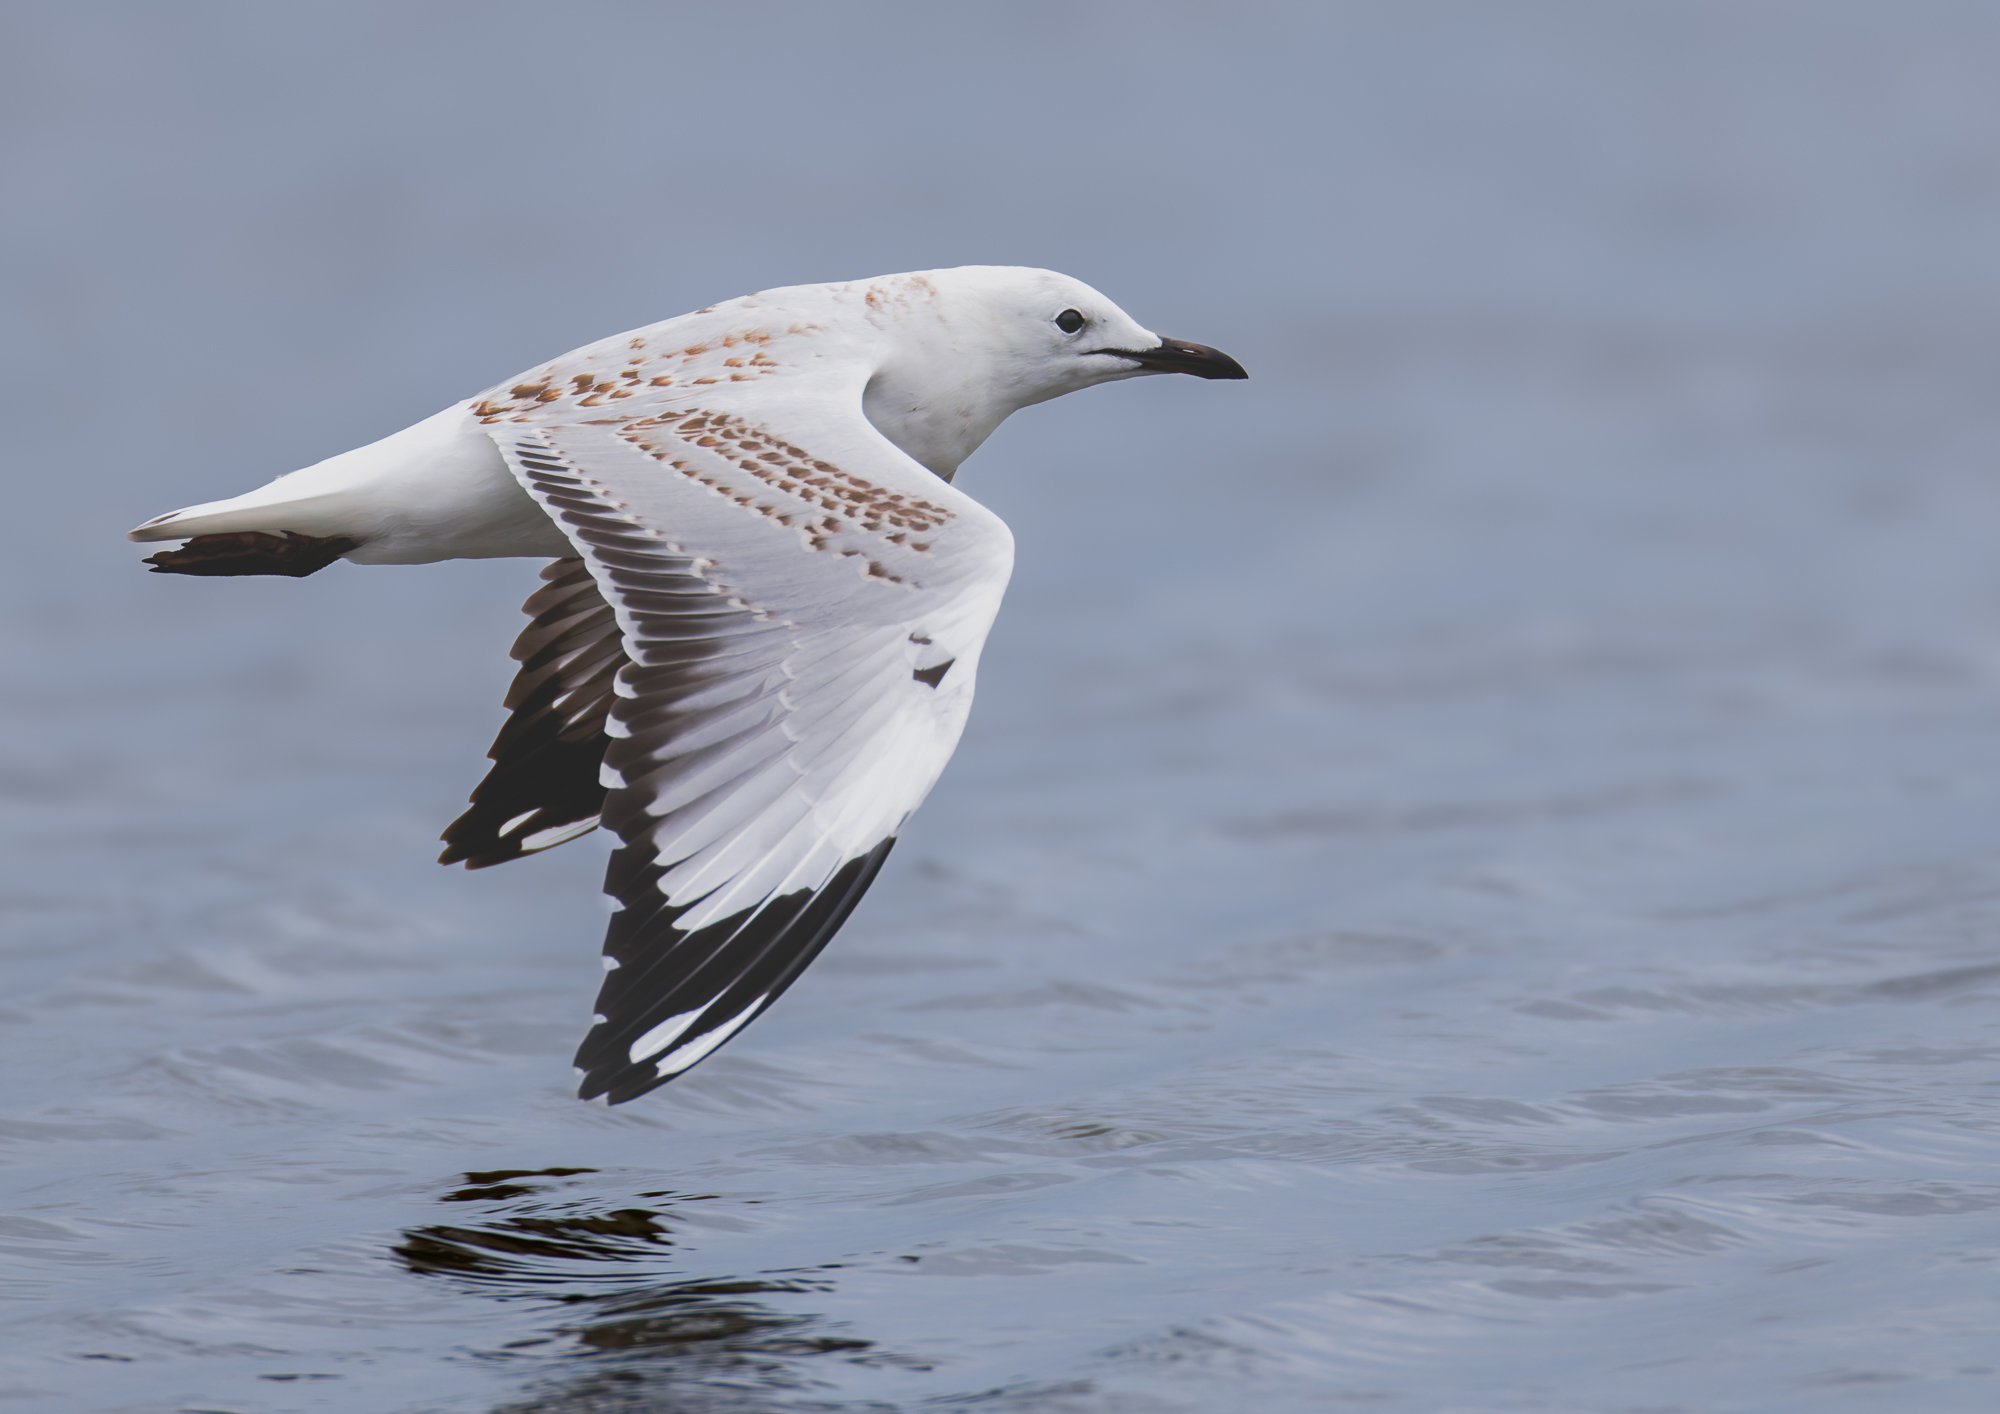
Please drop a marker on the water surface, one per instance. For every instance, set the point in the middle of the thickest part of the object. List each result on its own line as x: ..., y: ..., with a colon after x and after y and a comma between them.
x: 1474, y: 880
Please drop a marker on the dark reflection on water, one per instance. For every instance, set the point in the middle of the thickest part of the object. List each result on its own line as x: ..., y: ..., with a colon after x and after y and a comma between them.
x: 497, y: 1183
x: 628, y: 1341
x: 503, y: 1251
x: 544, y: 1244
x: 691, y: 1345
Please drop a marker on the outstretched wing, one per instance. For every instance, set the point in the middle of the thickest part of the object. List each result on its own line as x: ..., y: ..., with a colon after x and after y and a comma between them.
x: 543, y: 788
x: 802, y: 610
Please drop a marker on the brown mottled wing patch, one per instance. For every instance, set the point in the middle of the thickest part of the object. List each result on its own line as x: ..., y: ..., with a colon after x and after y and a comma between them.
x: 253, y: 552
x: 543, y: 788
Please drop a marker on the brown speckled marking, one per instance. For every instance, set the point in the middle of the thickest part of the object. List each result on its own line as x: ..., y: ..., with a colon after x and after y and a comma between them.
x: 788, y: 469
x: 592, y: 389
x: 905, y: 291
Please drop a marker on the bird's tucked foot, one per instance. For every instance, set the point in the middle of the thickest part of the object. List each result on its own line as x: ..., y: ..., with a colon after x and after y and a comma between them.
x: 253, y: 552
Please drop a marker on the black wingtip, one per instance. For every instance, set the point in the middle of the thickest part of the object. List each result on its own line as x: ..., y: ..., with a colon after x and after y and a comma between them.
x: 544, y: 787
x: 746, y: 960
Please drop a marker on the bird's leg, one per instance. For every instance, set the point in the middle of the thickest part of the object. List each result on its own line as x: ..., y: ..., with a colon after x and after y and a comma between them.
x: 253, y: 552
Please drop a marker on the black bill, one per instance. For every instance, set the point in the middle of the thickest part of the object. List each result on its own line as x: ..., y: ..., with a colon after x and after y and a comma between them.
x: 1180, y: 356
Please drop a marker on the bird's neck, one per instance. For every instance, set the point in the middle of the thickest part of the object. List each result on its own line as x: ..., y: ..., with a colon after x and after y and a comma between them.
x: 937, y: 423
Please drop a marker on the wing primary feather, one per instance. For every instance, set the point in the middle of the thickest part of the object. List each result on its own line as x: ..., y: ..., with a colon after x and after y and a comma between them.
x: 543, y: 786
x: 741, y: 965
x: 764, y: 737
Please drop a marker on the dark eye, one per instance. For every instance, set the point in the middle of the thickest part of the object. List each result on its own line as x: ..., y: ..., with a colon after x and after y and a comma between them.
x: 1070, y: 320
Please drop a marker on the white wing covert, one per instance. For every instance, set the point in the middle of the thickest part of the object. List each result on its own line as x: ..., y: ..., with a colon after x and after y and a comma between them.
x: 802, y: 607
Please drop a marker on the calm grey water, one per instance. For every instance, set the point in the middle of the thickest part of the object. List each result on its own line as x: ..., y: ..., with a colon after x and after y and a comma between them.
x: 1474, y: 881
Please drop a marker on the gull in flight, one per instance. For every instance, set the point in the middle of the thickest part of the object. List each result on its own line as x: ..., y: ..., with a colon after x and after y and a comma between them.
x: 754, y: 650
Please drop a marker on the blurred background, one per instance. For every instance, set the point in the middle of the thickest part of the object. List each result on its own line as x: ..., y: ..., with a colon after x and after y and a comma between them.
x: 1472, y: 881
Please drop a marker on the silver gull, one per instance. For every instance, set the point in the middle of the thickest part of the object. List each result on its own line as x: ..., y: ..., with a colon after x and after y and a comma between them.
x: 755, y: 649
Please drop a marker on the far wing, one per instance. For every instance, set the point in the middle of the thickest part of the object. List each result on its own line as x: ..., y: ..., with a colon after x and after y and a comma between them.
x: 543, y: 788
x: 802, y: 627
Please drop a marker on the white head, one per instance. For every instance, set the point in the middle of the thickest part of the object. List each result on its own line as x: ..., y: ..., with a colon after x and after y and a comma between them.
x: 969, y: 346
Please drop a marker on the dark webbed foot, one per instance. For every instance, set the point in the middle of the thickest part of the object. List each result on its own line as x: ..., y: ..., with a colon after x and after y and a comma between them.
x: 253, y: 552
